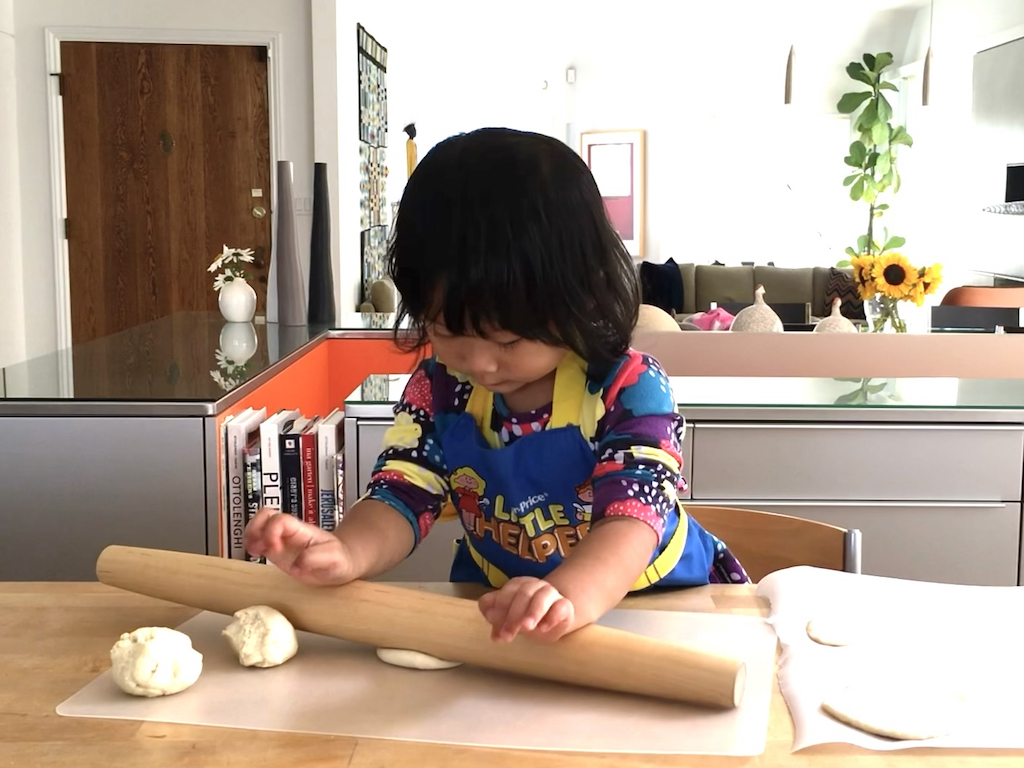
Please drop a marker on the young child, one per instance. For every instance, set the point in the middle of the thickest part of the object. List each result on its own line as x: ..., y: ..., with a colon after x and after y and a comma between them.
x: 558, y: 445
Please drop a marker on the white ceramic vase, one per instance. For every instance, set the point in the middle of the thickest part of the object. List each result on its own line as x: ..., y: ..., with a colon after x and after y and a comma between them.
x: 238, y: 342
x: 237, y: 301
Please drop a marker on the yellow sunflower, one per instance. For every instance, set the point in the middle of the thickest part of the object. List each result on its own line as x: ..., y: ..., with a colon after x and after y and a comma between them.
x: 928, y: 282
x: 862, y: 275
x: 893, y: 275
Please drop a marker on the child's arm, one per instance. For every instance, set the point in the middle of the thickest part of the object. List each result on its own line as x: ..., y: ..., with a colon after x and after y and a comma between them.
x: 371, y: 539
x: 603, y: 567
x: 406, y: 492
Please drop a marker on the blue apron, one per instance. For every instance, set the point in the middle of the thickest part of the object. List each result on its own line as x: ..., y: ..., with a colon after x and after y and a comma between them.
x: 520, y: 504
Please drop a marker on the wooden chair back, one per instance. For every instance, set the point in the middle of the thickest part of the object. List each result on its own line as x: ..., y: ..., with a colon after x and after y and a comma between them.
x: 766, y: 541
x: 984, y: 296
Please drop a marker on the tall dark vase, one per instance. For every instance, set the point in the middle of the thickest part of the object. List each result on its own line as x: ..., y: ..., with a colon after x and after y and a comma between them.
x: 321, y: 278
x: 291, y: 293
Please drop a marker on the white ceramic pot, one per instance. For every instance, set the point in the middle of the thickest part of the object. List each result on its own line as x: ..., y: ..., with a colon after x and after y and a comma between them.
x: 238, y: 342
x: 237, y: 301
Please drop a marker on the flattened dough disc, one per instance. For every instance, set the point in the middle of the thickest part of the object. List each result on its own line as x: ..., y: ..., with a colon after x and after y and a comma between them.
x: 400, y: 657
x: 900, y: 707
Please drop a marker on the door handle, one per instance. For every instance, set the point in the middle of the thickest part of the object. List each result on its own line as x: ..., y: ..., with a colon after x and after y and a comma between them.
x: 259, y: 212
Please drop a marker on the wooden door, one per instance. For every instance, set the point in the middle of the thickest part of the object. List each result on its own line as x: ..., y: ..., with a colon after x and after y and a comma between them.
x: 167, y: 154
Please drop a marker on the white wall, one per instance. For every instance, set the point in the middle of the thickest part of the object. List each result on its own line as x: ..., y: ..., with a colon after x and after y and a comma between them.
x: 705, y: 80
x: 12, y: 314
x: 290, y: 18
x: 949, y: 172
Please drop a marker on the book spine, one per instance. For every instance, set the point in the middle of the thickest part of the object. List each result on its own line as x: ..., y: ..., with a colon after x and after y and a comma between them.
x: 328, y: 449
x: 310, y: 489
x: 253, y: 487
x: 236, y: 491
x: 270, y: 465
x: 291, y: 476
x: 339, y: 475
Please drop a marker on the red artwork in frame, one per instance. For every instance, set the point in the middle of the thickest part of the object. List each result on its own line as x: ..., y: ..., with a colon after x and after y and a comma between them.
x: 616, y: 159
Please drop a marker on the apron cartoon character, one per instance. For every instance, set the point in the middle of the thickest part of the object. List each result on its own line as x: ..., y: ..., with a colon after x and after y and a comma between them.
x: 520, y: 517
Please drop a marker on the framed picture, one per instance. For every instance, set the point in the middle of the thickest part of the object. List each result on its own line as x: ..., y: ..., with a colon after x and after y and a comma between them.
x: 616, y: 158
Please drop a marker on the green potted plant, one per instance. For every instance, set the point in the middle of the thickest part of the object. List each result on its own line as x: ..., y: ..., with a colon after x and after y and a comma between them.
x: 883, y: 276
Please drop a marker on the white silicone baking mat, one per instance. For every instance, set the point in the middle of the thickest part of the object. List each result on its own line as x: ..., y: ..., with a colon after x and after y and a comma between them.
x: 336, y: 687
x: 970, y: 632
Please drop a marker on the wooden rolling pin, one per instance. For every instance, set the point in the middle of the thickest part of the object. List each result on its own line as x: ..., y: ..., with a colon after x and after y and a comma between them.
x: 447, y: 627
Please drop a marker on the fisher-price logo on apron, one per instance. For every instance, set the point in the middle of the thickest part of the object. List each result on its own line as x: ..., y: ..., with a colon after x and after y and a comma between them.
x: 534, y: 529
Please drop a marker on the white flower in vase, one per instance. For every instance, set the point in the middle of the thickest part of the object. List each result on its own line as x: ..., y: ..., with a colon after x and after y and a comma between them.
x: 237, y: 299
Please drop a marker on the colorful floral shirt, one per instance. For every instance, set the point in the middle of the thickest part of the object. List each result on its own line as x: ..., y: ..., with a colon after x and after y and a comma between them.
x: 637, y: 443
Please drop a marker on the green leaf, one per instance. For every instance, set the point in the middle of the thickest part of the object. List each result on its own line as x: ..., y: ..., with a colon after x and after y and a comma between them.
x: 868, y: 118
x: 850, y: 252
x: 892, y: 178
x: 850, y: 101
x: 870, y: 193
x: 844, y: 262
x: 850, y: 179
x: 882, y: 61
x: 857, y: 190
x: 858, y: 152
x: 862, y: 243
x: 869, y: 61
x: 885, y: 85
x: 882, y: 207
x: 883, y: 164
x: 900, y: 136
x: 857, y: 72
x: 880, y: 133
x: 872, y: 159
x: 894, y: 242
x: 884, y: 109
x: 850, y: 398
x: 874, y: 389
x: 859, y: 382
x: 899, y: 182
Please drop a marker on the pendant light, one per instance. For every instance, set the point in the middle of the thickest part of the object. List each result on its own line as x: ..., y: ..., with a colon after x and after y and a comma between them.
x: 926, y: 80
x: 789, y: 77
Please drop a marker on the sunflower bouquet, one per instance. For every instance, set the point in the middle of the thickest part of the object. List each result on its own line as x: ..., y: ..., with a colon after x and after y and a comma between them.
x: 886, y: 279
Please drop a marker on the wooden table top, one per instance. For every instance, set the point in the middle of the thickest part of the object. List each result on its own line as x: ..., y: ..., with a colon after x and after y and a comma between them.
x: 56, y: 637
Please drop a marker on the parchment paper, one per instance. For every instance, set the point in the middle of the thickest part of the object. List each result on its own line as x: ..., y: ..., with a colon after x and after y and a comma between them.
x: 967, y: 637
x: 336, y: 687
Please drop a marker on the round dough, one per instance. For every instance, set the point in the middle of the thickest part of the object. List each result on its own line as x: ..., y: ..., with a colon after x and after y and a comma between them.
x: 155, y: 661
x: 414, y: 659
x: 261, y: 637
x: 900, y: 707
x: 838, y: 632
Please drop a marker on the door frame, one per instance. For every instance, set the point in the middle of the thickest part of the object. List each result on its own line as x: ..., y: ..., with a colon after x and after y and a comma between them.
x: 55, y: 109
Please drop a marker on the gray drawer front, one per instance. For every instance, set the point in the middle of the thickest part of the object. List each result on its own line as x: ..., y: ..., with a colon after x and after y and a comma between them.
x: 845, y: 462
x: 949, y: 543
x: 371, y: 442
x: 71, y: 486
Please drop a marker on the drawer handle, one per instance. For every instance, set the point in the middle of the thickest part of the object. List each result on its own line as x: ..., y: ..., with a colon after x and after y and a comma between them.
x: 869, y: 504
x: 905, y: 427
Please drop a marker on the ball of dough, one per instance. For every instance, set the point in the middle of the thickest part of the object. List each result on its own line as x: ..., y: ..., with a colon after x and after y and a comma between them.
x: 261, y: 637
x: 155, y: 661
x: 400, y: 657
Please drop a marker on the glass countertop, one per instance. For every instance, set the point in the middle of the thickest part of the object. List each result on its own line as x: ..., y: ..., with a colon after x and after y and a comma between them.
x: 187, y: 357
x: 791, y: 392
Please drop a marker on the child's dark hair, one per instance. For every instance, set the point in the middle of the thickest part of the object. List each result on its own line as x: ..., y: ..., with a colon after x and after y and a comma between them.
x: 505, y: 229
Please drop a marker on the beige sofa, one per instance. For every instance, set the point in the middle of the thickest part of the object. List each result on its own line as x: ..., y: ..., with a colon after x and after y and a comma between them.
x: 705, y: 283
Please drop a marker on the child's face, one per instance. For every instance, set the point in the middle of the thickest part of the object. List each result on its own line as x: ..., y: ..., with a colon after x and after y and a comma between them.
x: 501, y: 361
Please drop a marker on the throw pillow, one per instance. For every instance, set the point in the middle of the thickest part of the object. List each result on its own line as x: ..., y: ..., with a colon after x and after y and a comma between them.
x: 661, y: 285
x: 840, y: 285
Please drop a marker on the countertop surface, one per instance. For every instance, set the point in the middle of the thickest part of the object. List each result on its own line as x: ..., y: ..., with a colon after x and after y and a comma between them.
x: 182, y: 364
x: 55, y: 638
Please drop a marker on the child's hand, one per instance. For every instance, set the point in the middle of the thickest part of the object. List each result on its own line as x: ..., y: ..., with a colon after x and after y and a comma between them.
x: 306, y: 552
x: 527, y: 605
